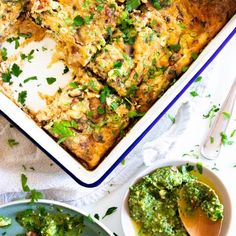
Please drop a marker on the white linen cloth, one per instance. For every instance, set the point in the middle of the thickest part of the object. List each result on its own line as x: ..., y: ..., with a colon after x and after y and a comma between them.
x: 45, y: 176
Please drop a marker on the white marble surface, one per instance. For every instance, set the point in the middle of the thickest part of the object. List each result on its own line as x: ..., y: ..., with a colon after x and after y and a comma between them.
x: 218, y: 86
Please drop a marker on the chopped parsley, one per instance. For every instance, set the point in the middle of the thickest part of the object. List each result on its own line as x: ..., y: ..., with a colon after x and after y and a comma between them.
x: 114, y: 105
x: 29, y: 57
x: 34, y: 194
x: 193, y: 93
x: 226, y: 115
x: 6, y: 76
x: 66, y: 70
x: 174, y: 47
x: 30, y: 78
x: 22, y: 97
x: 212, y: 140
x: 194, y: 56
x: 78, y: 21
x: 4, y: 54
x: 74, y: 84
x: 172, y: 119
x: 96, y: 216
x: 132, y: 4
x: 211, y: 113
x: 117, y: 64
x: 12, y: 142
x: 198, y: 79
x: 225, y: 140
x: 64, y: 129
x: 110, y: 211
x: 51, y: 80
x: 199, y: 167
x: 100, y: 110
x: 184, y: 69
x: 15, y: 70
x: 105, y: 92
x: 25, y: 35
x: 133, y: 114
x: 15, y: 40
x: 233, y: 133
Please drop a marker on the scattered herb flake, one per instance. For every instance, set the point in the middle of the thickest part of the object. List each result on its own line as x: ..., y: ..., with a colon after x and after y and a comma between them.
x: 225, y: 140
x: 174, y: 47
x: 22, y: 97
x: 133, y: 114
x: 15, y: 70
x: 212, y: 140
x: 172, y: 119
x: 199, y: 167
x: 211, y: 113
x: 24, y: 184
x: 78, y: 21
x: 109, y: 211
x: 233, y: 133
x: 198, y: 79
x: 66, y: 70
x: 4, y: 54
x: 30, y: 78
x: 12, y: 142
x: 226, y: 115
x: 35, y: 195
x: 194, y: 56
x: 96, y: 216
x: 193, y: 93
x: 105, y: 92
x: 123, y: 162
x: 132, y: 4
x: 51, y: 80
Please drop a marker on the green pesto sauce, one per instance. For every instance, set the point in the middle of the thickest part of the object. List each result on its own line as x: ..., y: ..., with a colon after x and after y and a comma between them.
x: 153, y: 201
x: 50, y: 223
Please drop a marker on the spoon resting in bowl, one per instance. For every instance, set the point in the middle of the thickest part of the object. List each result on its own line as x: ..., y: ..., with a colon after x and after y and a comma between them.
x: 195, y: 220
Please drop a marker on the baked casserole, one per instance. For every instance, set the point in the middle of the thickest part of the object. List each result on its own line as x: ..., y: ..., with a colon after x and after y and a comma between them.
x: 123, y: 56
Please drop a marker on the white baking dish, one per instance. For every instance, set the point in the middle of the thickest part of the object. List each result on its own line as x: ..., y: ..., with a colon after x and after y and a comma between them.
x: 93, y: 178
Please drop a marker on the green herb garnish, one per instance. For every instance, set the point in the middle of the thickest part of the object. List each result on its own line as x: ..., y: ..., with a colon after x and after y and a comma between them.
x: 174, y: 47
x: 133, y: 114
x: 12, y: 142
x: 51, y: 80
x: 22, y: 97
x: 109, y: 211
x: 15, y: 70
x: 30, y: 78
x: 172, y: 119
x: 198, y: 79
x: 132, y: 4
x: 4, y: 54
x: 78, y: 21
x: 225, y: 140
x: 193, y: 93
x: 226, y: 115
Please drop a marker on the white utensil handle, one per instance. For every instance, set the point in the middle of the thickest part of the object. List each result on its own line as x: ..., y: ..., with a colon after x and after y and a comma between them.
x: 212, y: 145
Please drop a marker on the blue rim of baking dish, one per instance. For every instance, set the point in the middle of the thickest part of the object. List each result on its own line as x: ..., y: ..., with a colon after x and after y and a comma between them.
x: 134, y: 144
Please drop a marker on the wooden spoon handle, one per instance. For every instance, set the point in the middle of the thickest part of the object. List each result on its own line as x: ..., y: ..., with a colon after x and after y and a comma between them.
x: 212, y: 145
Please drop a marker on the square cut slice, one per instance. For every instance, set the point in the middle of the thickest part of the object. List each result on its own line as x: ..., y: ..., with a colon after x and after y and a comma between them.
x: 82, y: 27
x: 85, y: 122
x: 114, y: 65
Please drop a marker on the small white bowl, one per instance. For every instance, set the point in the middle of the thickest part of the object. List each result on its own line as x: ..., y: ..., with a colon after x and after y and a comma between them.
x: 126, y: 221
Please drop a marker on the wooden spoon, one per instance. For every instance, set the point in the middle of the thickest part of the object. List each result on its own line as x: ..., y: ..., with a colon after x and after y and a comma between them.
x: 197, y: 223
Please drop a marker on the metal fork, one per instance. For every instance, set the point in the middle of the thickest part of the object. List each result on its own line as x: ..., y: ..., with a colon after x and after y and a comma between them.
x: 211, y: 147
